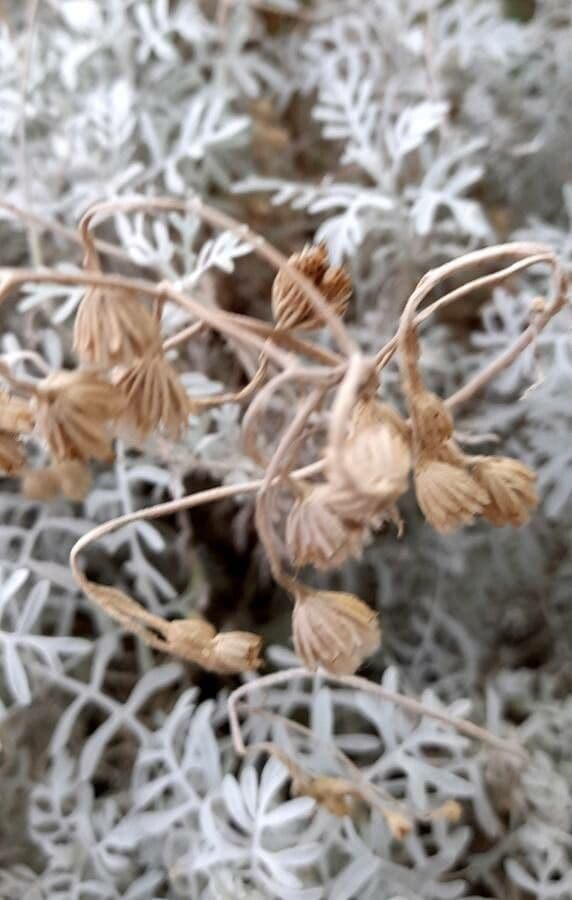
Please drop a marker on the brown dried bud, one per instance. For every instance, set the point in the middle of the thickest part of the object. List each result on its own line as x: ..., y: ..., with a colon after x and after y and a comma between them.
x: 73, y: 412
x: 12, y: 456
x: 154, y: 396
x: 190, y: 638
x: 334, y: 630
x: 447, y: 495
x: 510, y: 487
x: 40, y: 484
x: 74, y: 478
x: 232, y: 652
x: 112, y: 326
x: 291, y: 306
x: 317, y: 536
x: 16, y: 416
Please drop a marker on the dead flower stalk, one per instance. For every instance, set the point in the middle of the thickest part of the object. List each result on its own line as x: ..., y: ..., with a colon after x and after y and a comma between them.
x: 364, y: 452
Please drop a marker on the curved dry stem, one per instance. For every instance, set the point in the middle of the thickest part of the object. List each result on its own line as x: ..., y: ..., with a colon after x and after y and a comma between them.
x: 357, y: 373
x: 276, y: 471
x: 260, y: 246
x: 133, y: 615
x: 409, y: 704
x: 215, y: 319
x: 260, y: 403
x: 69, y: 234
x: 527, y: 254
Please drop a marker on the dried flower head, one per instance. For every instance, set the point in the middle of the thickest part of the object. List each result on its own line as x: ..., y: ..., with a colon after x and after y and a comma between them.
x: 16, y: 416
x: 12, y: 457
x: 112, y: 326
x: 334, y: 630
x: 447, y: 495
x: 510, y: 487
x: 232, y: 652
x: 317, y: 536
x: 291, y: 307
x: 154, y: 396
x: 74, y: 409
x: 376, y: 455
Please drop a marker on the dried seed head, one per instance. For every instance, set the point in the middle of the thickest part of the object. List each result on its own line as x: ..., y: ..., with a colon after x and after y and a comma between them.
x: 16, y: 416
x: 12, y: 456
x: 510, y: 487
x: 190, y: 638
x: 154, y: 396
x: 447, y: 495
x: 112, y: 326
x: 232, y: 652
x: 40, y: 484
x: 378, y: 458
x: 317, y: 536
x: 73, y: 412
x: 74, y: 478
x: 334, y: 630
x: 291, y: 307
x: 432, y: 423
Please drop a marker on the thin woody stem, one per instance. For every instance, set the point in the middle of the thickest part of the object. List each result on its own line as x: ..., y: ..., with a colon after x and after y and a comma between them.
x: 260, y: 246
x: 415, y: 707
x: 216, y: 319
x: 277, y: 469
x: 138, y: 617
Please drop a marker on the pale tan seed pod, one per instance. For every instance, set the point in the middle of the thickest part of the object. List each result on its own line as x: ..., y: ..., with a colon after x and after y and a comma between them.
x: 154, y: 397
x: 317, y: 536
x: 12, y: 458
x: 510, y: 487
x: 291, y: 307
x: 112, y: 326
x: 333, y: 630
x: 74, y: 409
x: 190, y: 638
x: 74, y: 478
x: 40, y: 484
x: 447, y: 495
x: 232, y: 652
x: 16, y: 416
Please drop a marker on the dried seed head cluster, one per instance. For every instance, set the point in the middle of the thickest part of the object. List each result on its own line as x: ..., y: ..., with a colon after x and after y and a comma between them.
x: 316, y: 533
x: 154, y: 396
x: 453, y: 489
x: 291, y: 307
x: 332, y: 521
x: 334, y: 631
x: 74, y: 411
x: 112, y: 326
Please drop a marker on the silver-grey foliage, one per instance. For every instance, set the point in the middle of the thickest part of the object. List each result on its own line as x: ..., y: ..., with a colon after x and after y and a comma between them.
x: 412, y: 131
